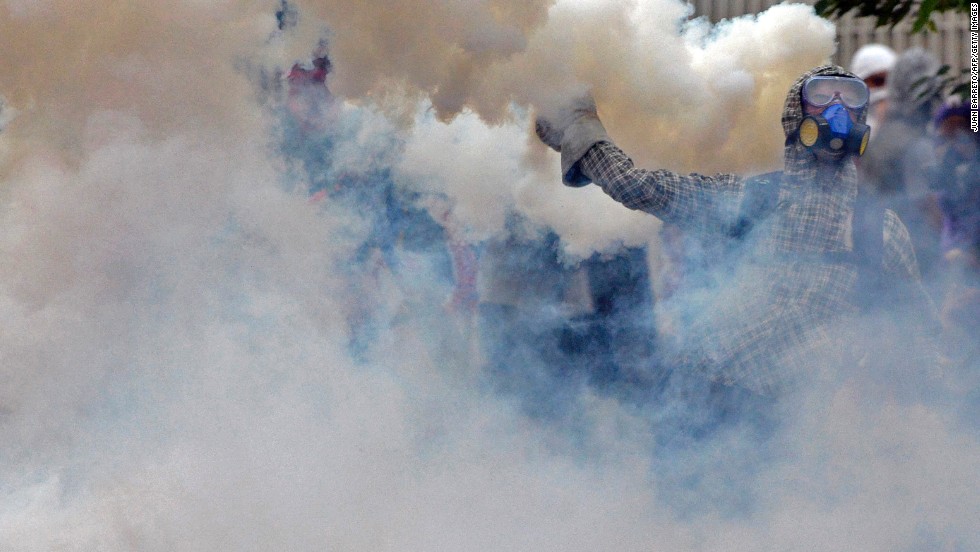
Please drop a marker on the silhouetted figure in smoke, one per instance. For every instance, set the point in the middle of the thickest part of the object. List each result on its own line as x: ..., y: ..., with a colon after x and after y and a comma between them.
x: 791, y: 270
x: 404, y: 246
x: 307, y: 95
x: 958, y: 186
x: 899, y: 169
x: 612, y: 341
x: 958, y: 177
x: 527, y: 296
x: 549, y: 327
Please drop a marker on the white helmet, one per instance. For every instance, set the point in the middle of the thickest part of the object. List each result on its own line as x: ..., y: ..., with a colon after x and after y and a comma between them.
x: 871, y: 59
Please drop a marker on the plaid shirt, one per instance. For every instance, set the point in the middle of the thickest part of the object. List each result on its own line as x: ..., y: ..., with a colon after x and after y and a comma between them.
x: 767, y: 313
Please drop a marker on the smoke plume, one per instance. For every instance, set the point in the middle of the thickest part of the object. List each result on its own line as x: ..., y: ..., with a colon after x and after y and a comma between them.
x: 178, y: 312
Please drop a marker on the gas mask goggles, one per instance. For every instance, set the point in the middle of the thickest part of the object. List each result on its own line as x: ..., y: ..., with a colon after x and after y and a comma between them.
x: 833, y: 129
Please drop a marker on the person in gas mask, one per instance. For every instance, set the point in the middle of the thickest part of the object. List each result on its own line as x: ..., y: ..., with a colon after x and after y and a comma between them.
x: 793, y: 266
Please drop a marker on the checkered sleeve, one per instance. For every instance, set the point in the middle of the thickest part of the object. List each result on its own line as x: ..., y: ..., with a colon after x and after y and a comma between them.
x: 899, y: 254
x: 694, y: 201
x: 899, y: 260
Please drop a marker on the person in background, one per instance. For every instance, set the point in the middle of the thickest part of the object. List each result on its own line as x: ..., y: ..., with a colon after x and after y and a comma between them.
x: 551, y: 327
x: 900, y: 167
x: 409, y: 243
x: 958, y: 187
x: 958, y: 179
x: 527, y: 297
x: 612, y: 341
x: 872, y: 63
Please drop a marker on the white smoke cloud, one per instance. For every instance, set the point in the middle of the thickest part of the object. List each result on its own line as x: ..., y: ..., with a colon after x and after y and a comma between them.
x: 173, y: 345
x: 683, y: 96
x: 680, y: 94
x: 485, y: 171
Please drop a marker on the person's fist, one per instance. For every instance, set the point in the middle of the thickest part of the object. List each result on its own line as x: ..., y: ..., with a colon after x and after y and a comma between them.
x: 551, y: 127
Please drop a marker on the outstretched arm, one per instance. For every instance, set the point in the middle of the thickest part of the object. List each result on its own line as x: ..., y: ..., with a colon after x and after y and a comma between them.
x: 694, y: 201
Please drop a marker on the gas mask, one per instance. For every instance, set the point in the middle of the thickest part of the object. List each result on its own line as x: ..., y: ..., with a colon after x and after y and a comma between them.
x: 833, y: 129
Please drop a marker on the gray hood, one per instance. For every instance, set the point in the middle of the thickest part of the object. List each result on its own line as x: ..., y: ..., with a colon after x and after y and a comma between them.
x: 914, y: 88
